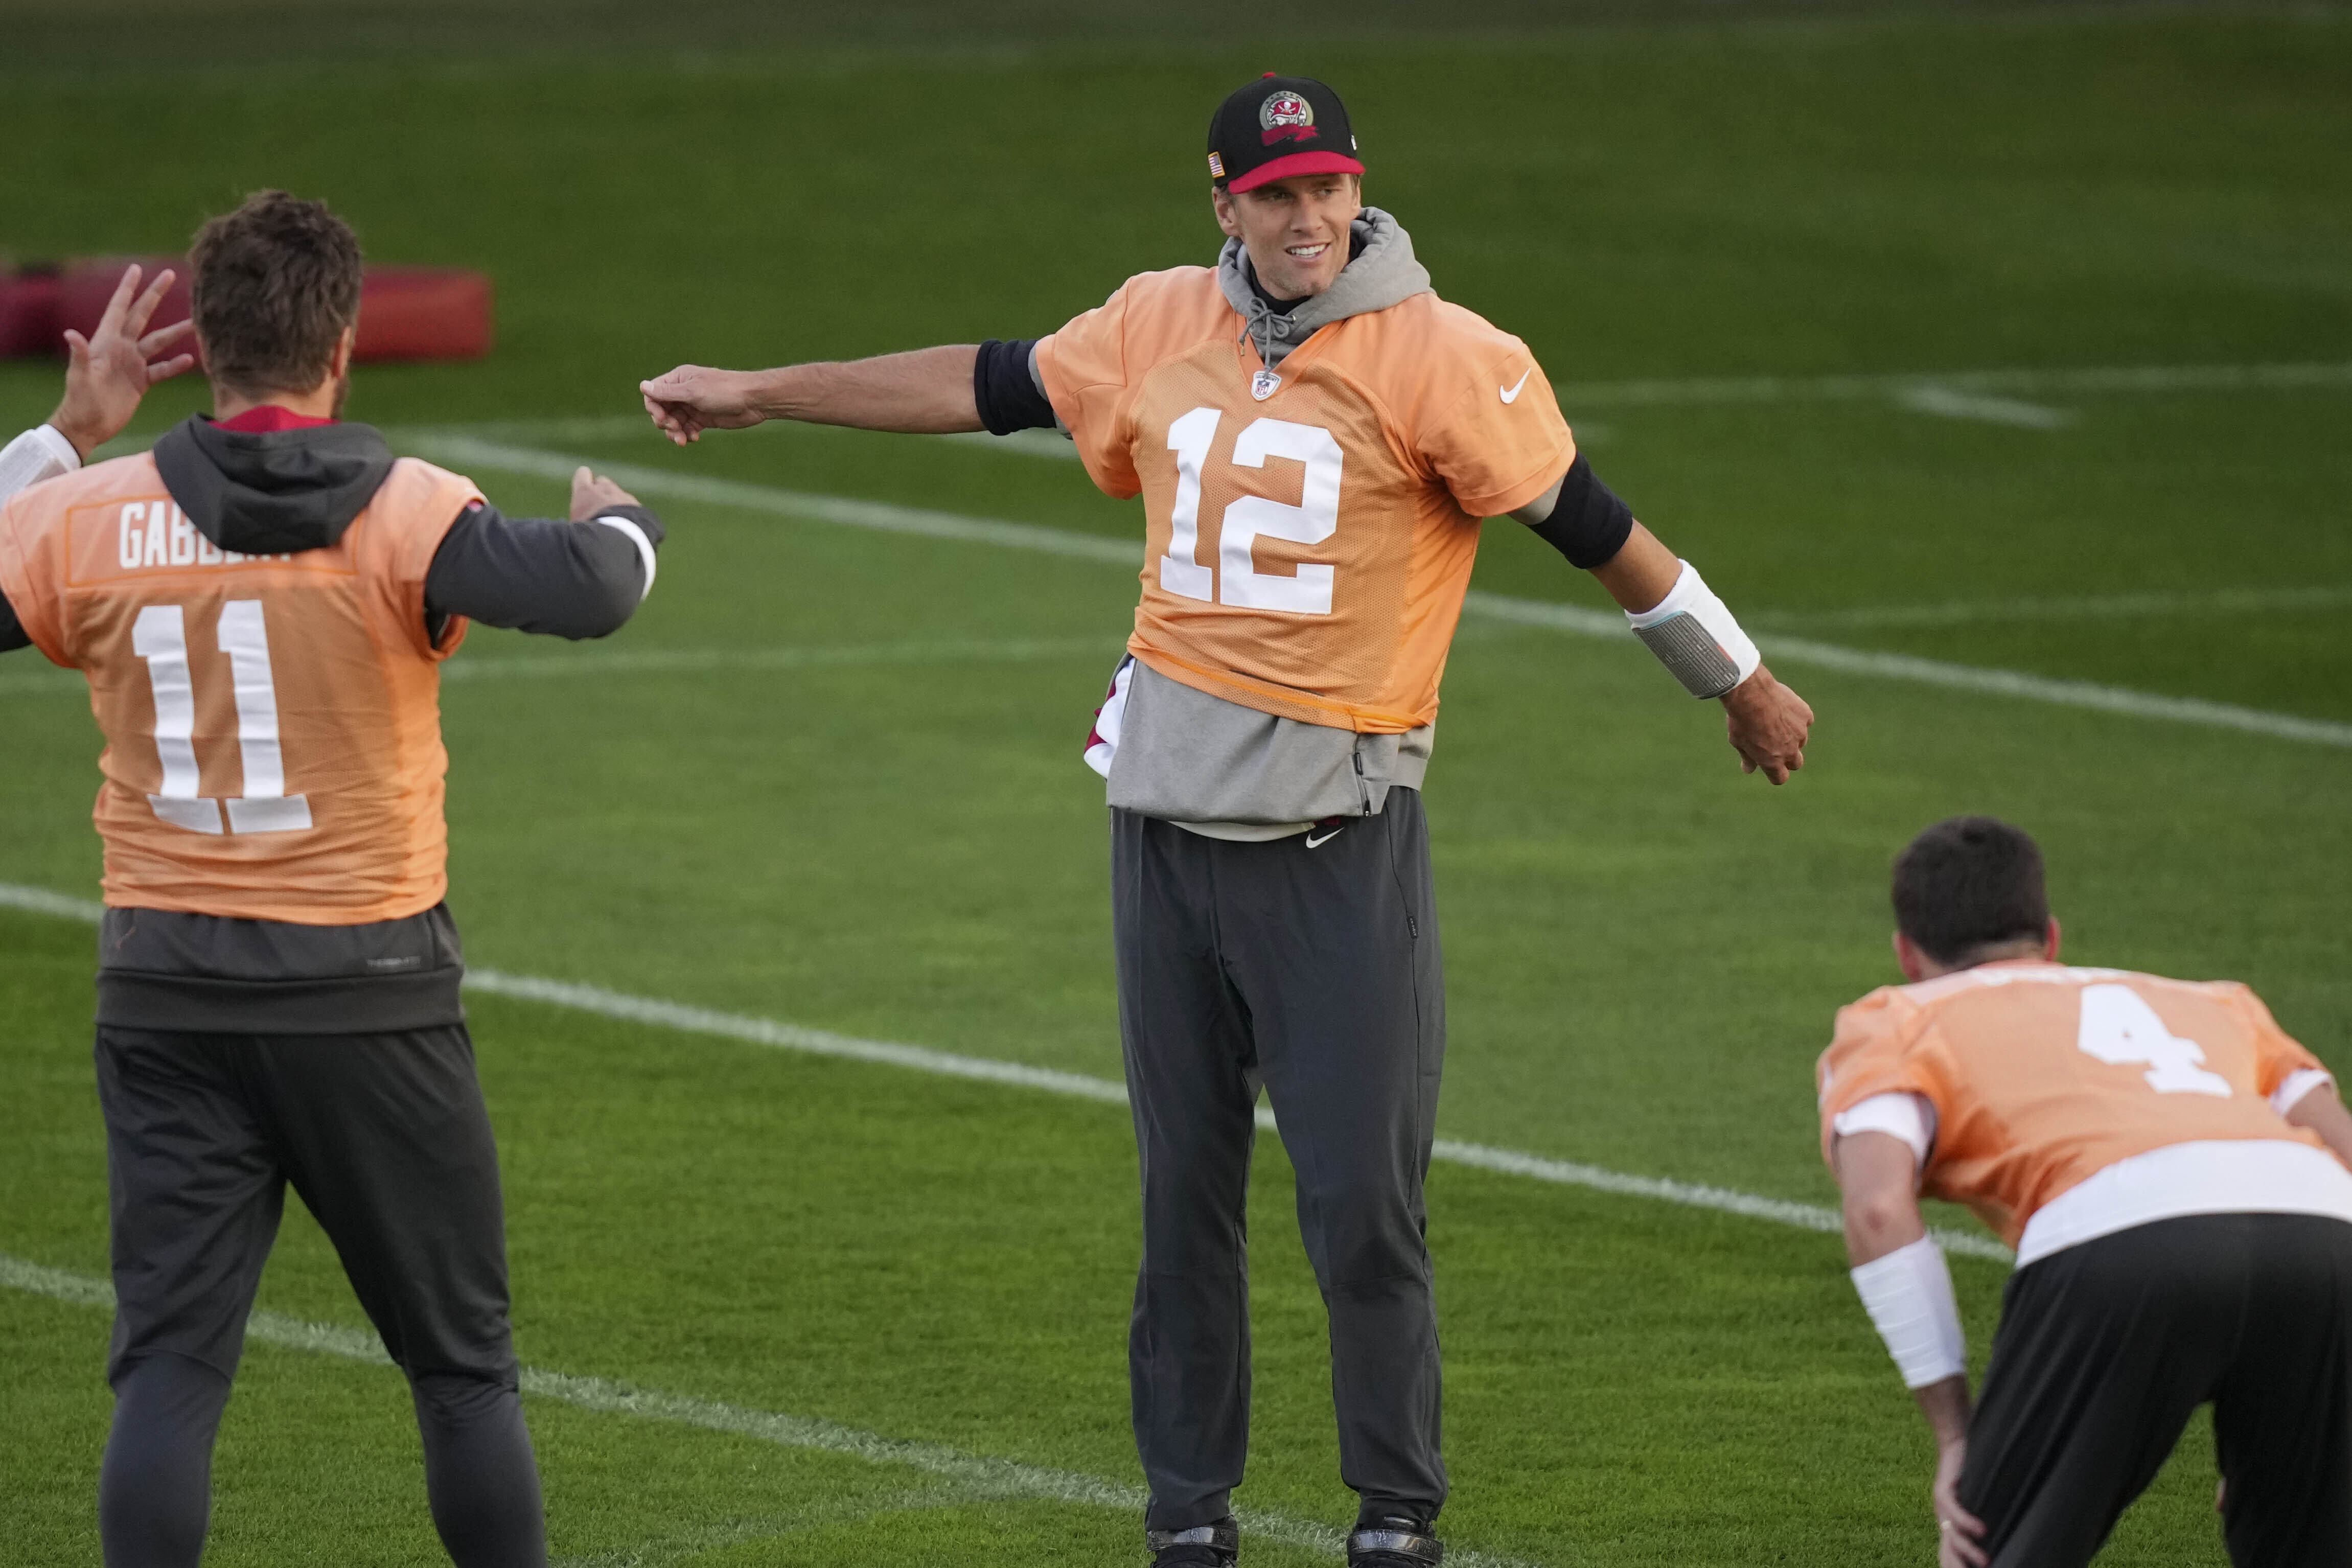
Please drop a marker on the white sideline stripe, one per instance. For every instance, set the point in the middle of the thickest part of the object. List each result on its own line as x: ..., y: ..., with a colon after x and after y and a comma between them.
x: 694, y: 660
x: 980, y: 1475
x: 467, y: 451
x: 777, y: 1036
x: 1788, y: 651
x: 2087, y: 382
x: 1949, y: 403
x: 47, y: 681
x: 2080, y: 607
x: 1929, y: 386
x: 691, y: 660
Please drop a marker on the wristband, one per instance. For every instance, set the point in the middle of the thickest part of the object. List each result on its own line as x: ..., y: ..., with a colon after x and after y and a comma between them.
x: 1696, y: 637
x: 1908, y: 1294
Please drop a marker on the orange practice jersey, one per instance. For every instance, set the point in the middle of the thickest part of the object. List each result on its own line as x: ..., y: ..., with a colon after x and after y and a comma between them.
x: 2042, y: 1076
x: 272, y: 723
x: 1306, y: 550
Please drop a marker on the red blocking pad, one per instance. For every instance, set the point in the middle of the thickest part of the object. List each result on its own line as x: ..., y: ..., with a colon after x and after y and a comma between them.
x: 28, y: 314
x: 405, y: 312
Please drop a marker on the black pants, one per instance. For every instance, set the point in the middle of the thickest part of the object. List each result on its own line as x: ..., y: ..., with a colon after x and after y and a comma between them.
x: 2106, y: 1348
x: 1309, y: 965
x: 385, y: 1138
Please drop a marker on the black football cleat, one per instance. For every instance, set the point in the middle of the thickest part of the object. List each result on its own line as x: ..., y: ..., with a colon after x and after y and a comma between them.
x: 1204, y: 1546
x: 1394, y: 1544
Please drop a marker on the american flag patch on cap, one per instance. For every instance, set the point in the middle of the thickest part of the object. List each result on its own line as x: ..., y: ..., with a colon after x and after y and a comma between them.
x: 1216, y: 166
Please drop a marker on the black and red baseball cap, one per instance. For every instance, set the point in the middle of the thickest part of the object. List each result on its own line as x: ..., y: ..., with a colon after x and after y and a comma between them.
x: 1278, y: 126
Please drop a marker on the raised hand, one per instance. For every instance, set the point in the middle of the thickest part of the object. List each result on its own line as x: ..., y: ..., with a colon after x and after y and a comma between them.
x: 109, y: 371
x: 593, y: 493
x: 1768, y: 725
x: 693, y: 398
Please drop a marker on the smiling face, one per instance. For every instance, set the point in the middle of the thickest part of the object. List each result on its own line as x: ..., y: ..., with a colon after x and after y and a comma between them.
x: 1295, y: 230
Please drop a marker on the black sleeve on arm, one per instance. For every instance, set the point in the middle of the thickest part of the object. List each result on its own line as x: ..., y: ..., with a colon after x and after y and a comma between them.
x: 534, y: 574
x: 1587, y: 524
x: 1009, y: 397
x: 12, y: 631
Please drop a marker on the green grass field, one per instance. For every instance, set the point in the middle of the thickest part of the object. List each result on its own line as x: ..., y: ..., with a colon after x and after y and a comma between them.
x: 830, y: 776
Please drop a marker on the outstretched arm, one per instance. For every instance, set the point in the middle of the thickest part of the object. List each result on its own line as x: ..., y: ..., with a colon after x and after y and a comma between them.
x: 927, y: 392
x: 1901, y: 1275
x: 1767, y: 723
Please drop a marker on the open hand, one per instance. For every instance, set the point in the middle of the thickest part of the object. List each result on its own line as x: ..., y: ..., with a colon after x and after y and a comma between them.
x: 593, y: 493
x: 1960, y: 1534
x: 693, y: 398
x: 1768, y: 725
x: 109, y: 371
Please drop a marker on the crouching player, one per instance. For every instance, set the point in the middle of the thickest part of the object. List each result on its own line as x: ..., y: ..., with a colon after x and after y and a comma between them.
x: 262, y: 606
x: 2159, y: 1152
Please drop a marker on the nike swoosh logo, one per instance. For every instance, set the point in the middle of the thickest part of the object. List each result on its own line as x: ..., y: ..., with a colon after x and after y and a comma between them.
x: 1313, y: 842
x: 1513, y: 395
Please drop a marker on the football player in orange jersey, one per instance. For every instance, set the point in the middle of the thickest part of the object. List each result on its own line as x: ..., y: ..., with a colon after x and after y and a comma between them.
x: 1316, y: 436
x: 261, y: 605
x: 2170, y: 1168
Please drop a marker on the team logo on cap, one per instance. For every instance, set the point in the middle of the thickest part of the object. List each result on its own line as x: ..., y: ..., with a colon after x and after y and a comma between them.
x: 1285, y: 114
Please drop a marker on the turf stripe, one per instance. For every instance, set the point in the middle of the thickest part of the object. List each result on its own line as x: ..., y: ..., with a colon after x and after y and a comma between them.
x: 1802, y: 651
x: 981, y: 1476
x: 776, y: 1035
x: 2092, y: 380
x: 467, y: 451
x: 599, y: 661
x: 1948, y: 392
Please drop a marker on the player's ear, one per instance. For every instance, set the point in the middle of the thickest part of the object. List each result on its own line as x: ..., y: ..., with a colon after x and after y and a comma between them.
x: 1910, y: 960
x: 340, y: 365
x: 1220, y: 202
x: 2049, y: 941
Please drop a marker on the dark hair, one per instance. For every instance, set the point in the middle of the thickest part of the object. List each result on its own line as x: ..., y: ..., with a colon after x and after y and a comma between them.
x: 273, y: 285
x: 1967, y: 884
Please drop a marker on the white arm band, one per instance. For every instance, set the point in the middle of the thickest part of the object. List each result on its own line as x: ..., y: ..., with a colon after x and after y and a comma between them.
x: 1910, y: 1117
x: 39, y: 454
x: 645, y: 549
x: 1908, y: 1294
x: 2296, y: 1085
x: 1696, y: 637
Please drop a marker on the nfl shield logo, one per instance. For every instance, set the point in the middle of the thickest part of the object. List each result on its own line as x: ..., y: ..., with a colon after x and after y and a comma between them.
x: 1264, y: 384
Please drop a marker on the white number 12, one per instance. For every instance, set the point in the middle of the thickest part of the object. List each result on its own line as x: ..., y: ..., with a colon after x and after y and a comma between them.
x: 160, y: 635
x: 1311, y: 521
x: 2119, y: 1027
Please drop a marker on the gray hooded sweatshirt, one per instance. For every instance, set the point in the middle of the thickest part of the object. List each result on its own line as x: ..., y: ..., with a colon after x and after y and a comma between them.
x: 1232, y: 772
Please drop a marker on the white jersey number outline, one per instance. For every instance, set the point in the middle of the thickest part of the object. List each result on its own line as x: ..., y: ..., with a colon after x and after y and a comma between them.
x: 2119, y: 1027
x: 160, y: 636
x: 1313, y: 520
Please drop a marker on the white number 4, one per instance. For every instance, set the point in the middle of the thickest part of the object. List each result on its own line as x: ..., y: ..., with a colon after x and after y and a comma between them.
x: 160, y: 635
x: 2118, y: 1027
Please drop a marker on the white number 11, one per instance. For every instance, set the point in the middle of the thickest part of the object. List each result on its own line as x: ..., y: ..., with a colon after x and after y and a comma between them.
x: 160, y: 635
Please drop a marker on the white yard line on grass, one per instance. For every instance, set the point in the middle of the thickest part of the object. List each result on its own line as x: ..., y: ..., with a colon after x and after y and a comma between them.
x: 466, y: 451
x: 776, y: 1035
x: 2087, y: 382
x: 2067, y: 607
x: 466, y: 668
x: 1954, y: 394
x: 979, y: 1476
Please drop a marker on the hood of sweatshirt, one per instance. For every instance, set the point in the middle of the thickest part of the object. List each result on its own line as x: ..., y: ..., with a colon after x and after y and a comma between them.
x: 1380, y: 273
x: 272, y: 492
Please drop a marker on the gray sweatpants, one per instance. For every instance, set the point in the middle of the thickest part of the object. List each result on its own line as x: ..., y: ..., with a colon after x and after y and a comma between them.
x: 1308, y: 965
